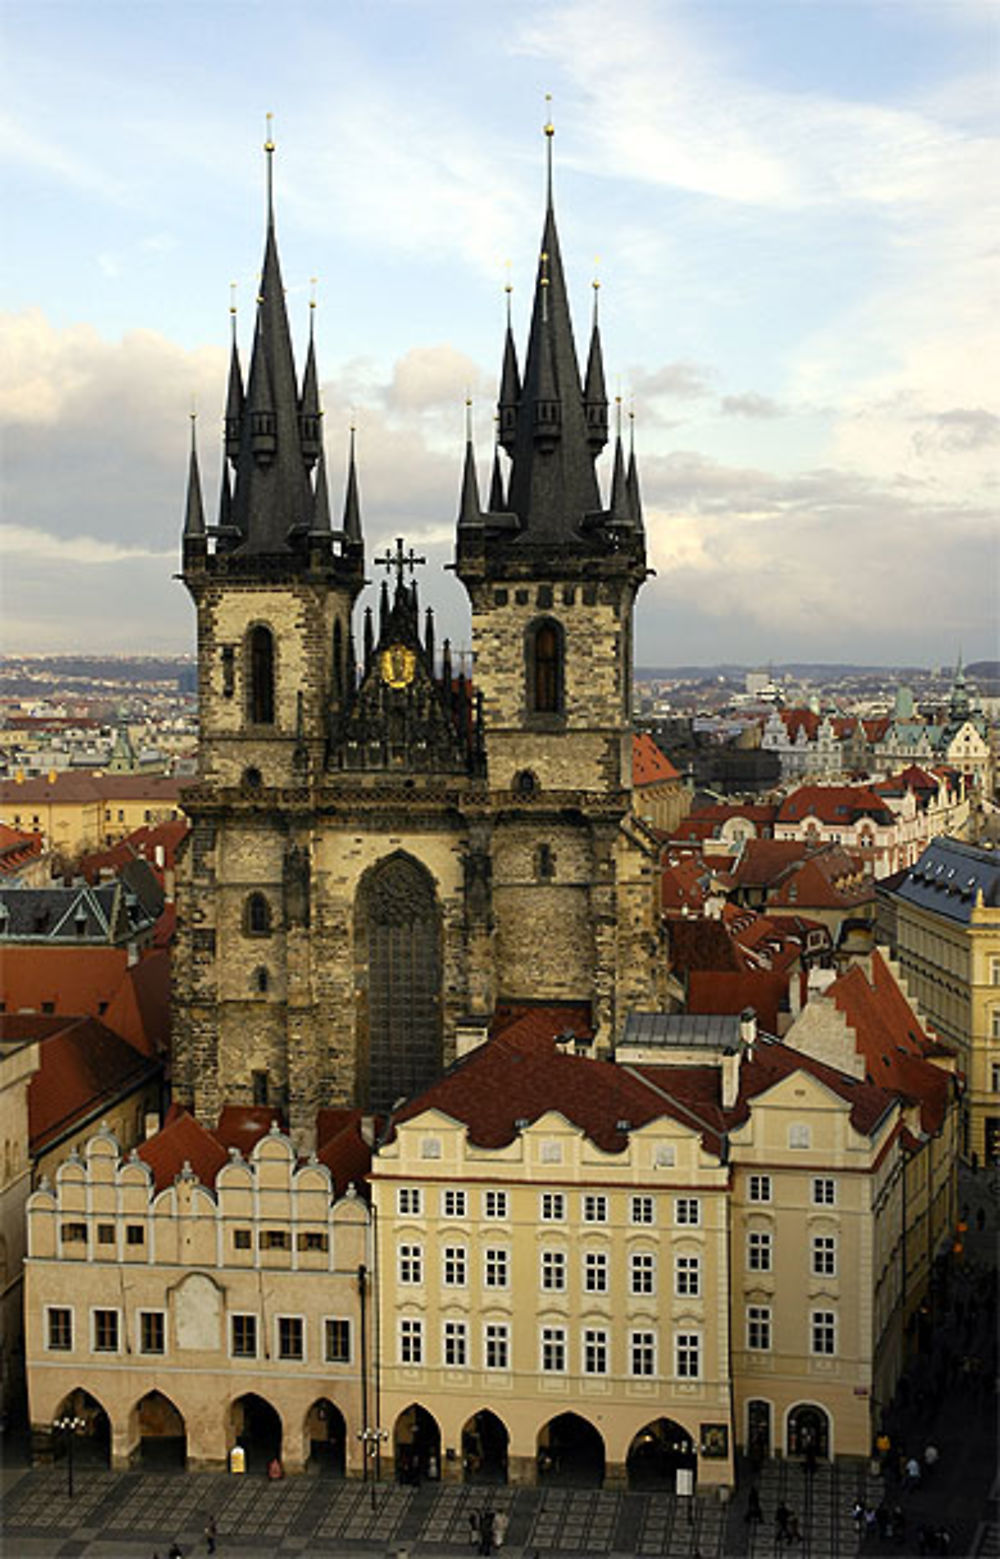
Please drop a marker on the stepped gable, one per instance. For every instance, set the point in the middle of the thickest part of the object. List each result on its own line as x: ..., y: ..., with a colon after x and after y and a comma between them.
x: 897, y: 1052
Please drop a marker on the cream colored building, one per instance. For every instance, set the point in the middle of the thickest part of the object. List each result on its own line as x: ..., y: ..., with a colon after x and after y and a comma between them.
x: 77, y: 813
x: 180, y: 1321
x: 19, y: 1062
x: 943, y: 923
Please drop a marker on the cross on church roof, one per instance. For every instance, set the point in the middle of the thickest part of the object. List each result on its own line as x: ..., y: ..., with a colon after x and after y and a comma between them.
x: 399, y: 560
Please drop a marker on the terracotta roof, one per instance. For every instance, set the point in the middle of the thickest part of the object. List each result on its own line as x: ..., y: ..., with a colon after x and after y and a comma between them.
x: 683, y: 884
x: 242, y: 1125
x: 69, y: 785
x: 833, y: 804
x: 763, y: 861
x: 182, y: 1140
x: 896, y: 1050
x: 142, y: 844
x: 17, y: 848
x: 650, y: 766
x: 731, y: 991
x: 701, y: 944
x: 78, y: 981
x: 773, y: 1061
x: 140, y: 1008
x: 347, y: 1155
x: 84, y: 1068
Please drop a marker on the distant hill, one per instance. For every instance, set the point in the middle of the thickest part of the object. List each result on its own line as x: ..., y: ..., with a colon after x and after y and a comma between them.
x: 814, y: 670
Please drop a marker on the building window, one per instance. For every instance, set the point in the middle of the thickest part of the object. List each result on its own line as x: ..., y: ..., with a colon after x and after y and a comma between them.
x: 261, y: 980
x: 411, y: 1264
x: 551, y: 1151
x: 105, y: 1331
x: 456, y: 1345
x: 799, y: 1135
x: 641, y: 1209
x: 595, y: 1272
x: 760, y: 1188
x: 430, y: 1147
x: 545, y: 647
x: 823, y: 1331
x: 135, y: 1234
x: 257, y: 916
x: 411, y: 1342
x: 995, y: 1023
x: 545, y: 863
x: 497, y: 1350
x: 152, y: 1331
x: 105, y: 1234
x: 260, y: 1083
x: 495, y: 1204
x: 455, y: 1263
x: 313, y: 1239
x: 642, y: 1272
x: 687, y: 1355
x: 995, y: 1076
x: 553, y: 1271
x: 74, y: 1233
x: 276, y: 1239
x: 759, y: 1327
x: 453, y: 1204
x: 687, y: 1211
x: 228, y: 671
x: 642, y: 1353
x: 408, y: 1202
x: 595, y: 1352
x: 595, y: 1209
x: 337, y: 1340
x: 758, y: 1251
x: 824, y: 1191
x: 60, y: 1329
x: 687, y: 1276
x: 665, y: 1155
x: 241, y: 1239
x: 995, y: 971
x: 553, y: 1207
x: 244, y: 1334
x: 291, y: 1337
x: 553, y: 1350
x: 261, y: 703
x: 824, y: 1255
x: 496, y: 1265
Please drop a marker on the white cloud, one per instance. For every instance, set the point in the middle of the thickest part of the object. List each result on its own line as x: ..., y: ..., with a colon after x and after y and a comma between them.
x: 64, y: 551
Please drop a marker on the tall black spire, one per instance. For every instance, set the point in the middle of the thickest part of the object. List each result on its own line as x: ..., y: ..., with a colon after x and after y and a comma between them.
x: 272, y: 494
x: 195, y: 536
x: 552, y: 487
x: 595, y: 398
x: 235, y: 399
x: 309, y: 407
x: 469, y: 511
x: 352, y: 502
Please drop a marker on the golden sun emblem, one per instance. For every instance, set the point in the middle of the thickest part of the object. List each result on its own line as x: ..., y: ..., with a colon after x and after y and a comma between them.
x: 397, y: 665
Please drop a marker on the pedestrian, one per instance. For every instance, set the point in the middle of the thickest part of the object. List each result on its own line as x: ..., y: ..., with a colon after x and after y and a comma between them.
x: 211, y: 1532
x: 794, y: 1535
x: 754, y: 1512
x: 781, y: 1519
x: 913, y: 1473
x: 930, y: 1457
x: 499, y: 1529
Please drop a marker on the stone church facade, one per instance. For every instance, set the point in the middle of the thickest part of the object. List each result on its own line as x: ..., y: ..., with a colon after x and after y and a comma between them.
x: 382, y: 851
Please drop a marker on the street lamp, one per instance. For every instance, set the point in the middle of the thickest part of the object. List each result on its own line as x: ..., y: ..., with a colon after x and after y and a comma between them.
x: 70, y: 1426
x: 372, y: 1441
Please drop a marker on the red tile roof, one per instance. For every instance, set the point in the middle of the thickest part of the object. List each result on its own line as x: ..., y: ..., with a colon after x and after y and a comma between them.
x: 182, y: 1140
x: 140, y: 1008
x: 650, y: 766
x: 242, y: 1125
x: 833, y: 804
x: 144, y: 844
x: 347, y: 1155
x: 728, y: 991
x: 17, y: 849
x: 84, y: 1068
x: 896, y: 1050
x: 93, y: 982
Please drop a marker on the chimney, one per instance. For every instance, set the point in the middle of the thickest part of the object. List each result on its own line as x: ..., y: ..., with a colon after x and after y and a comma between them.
x: 730, y: 1077
x: 367, y: 1129
x: 470, y: 1033
x: 152, y: 1124
x: 748, y: 1031
x: 133, y: 954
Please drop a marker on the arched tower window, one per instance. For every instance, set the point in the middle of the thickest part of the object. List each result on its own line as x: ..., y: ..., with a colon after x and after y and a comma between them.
x: 398, y: 944
x: 545, y: 667
x: 257, y: 916
x: 261, y: 647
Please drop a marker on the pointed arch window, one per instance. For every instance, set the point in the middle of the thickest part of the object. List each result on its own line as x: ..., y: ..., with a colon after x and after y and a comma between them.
x: 546, y: 657
x: 261, y: 649
x: 257, y: 916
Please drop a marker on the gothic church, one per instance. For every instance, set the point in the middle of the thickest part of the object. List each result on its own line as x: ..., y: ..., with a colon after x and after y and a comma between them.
x: 384, y: 852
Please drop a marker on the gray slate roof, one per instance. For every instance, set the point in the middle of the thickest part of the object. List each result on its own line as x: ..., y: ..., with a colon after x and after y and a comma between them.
x: 948, y: 878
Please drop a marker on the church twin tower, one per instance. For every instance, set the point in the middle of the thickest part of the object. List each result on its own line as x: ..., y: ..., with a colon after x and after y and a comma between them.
x: 384, y: 852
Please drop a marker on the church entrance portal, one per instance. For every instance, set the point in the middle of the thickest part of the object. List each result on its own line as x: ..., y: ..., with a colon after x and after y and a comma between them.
x: 399, y: 958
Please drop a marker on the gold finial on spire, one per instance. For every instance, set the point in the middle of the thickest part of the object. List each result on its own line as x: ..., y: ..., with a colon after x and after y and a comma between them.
x: 269, y: 150
x: 232, y: 309
x: 468, y: 416
x: 549, y: 131
x: 618, y: 414
x: 631, y: 424
x: 312, y: 291
x: 543, y: 282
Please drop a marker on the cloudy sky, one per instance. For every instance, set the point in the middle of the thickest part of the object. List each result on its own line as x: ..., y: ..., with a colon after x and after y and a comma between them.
x: 791, y: 207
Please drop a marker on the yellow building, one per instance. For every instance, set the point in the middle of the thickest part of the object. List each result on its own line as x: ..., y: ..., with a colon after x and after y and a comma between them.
x: 19, y: 1060
x: 80, y: 812
x: 201, y: 1308
x: 943, y: 924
